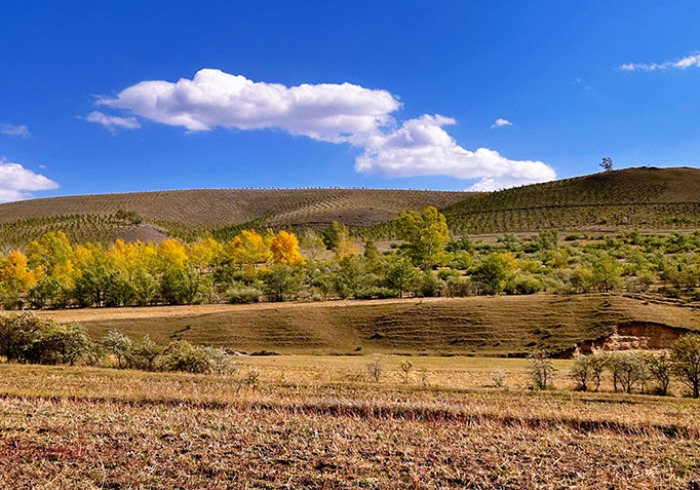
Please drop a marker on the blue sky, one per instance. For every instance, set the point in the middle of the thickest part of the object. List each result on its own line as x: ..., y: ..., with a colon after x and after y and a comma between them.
x: 128, y: 96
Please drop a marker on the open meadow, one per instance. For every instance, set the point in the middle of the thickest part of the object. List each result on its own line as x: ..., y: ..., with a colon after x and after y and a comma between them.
x: 326, y: 422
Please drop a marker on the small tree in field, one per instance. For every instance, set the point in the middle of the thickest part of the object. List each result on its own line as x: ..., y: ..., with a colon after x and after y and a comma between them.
x: 541, y: 370
x: 686, y: 359
x: 587, y: 372
x: 376, y: 369
x: 660, y: 367
x: 118, y: 344
x: 628, y: 369
x: 406, y: 367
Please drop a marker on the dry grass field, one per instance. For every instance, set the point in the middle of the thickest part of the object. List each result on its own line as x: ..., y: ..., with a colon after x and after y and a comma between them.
x: 502, y: 325
x: 313, y: 422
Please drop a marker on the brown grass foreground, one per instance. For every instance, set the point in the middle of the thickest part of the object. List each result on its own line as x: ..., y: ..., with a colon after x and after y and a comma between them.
x: 318, y: 422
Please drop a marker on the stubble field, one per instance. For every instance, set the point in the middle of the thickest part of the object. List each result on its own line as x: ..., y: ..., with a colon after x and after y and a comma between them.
x: 324, y: 422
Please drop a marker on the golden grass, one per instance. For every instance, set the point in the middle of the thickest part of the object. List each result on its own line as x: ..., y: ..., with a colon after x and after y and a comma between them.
x: 504, y: 325
x: 308, y: 424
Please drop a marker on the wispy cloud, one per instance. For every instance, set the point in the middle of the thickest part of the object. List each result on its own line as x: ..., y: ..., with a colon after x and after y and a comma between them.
x: 113, y: 123
x: 500, y: 122
x: 336, y: 113
x: 14, y: 130
x: 17, y: 182
x: 691, y: 61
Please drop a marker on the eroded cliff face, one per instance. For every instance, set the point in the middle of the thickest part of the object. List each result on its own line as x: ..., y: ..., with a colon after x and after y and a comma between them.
x: 633, y: 335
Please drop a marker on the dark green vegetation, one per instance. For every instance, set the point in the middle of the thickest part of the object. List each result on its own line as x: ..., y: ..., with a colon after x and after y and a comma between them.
x: 642, y: 198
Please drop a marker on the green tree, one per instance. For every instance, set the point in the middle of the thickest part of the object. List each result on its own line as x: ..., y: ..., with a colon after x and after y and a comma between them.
x: 281, y: 281
x: 351, y: 278
x: 426, y: 234
x: 494, y: 272
x: 400, y: 275
x: 660, y: 367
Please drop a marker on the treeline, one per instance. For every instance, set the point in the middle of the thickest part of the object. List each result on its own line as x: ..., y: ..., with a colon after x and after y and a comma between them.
x: 311, y: 266
x: 646, y: 372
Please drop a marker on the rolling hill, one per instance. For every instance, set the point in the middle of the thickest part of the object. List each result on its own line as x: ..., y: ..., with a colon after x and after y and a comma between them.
x: 643, y: 198
x: 187, y: 213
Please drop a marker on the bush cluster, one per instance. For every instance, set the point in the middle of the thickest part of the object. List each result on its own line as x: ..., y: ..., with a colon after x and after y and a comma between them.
x: 26, y: 338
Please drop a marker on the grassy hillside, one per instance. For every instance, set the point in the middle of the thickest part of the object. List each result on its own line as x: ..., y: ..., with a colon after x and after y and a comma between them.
x: 641, y: 198
x: 478, y: 325
x: 189, y: 212
x: 645, y: 198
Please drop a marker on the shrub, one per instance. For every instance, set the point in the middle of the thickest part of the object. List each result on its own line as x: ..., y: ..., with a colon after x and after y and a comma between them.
x: 144, y: 354
x: 28, y: 338
x: 406, y: 366
x: 377, y: 292
x: 541, y: 370
x: 62, y: 344
x: 220, y: 362
x: 17, y: 335
x: 183, y: 356
x: 499, y: 379
x: 458, y: 287
x: 243, y: 295
x: 118, y: 344
x: 524, y: 284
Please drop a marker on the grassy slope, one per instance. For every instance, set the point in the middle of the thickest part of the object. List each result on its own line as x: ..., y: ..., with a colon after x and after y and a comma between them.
x: 645, y: 198
x: 183, y: 212
x: 483, y: 325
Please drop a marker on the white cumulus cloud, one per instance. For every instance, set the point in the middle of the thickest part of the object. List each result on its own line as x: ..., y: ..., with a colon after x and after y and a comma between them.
x: 337, y: 113
x: 326, y: 112
x: 691, y: 61
x: 14, y: 130
x: 500, y: 122
x: 113, y: 123
x: 421, y: 147
x: 17, y: 182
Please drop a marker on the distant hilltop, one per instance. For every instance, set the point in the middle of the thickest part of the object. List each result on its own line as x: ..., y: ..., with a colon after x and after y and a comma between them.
x: 643, y: 198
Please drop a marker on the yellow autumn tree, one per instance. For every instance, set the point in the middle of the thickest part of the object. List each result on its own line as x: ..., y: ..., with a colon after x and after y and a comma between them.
x: 15, y: 273
x: 204, y: 253
x: 285, y: 249
x: 171, y: 255
x: 248, y: 248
